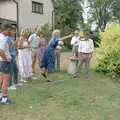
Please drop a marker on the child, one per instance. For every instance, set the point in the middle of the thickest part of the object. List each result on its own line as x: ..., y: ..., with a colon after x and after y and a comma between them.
x: 34, y: 43
x: 24, y: 58
x: 5, y: 61
x: 13, y: 82
x: 42, y: 46
x: 74, y: 43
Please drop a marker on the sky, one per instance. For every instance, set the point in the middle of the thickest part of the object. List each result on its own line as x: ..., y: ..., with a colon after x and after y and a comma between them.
x: 86, y: 14
x: 86, y: 9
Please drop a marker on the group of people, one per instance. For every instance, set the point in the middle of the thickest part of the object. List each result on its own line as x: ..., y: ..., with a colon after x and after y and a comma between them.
x: 18, y: 57
x: 83, y: 48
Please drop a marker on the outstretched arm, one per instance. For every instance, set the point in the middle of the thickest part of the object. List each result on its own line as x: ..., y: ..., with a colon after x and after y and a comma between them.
x: 65, y: 37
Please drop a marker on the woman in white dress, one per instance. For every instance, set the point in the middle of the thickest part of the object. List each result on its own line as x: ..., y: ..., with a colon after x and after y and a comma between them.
x: 24, y: 58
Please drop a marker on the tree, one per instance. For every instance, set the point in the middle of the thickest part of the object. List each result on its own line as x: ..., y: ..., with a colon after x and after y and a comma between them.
x: 116, y: 9
x: 101, y: 12
x: 68, y: 15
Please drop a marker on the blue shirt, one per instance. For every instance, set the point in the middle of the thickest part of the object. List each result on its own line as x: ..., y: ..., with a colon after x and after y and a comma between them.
x: 12, y: 49
x: 54, y: 42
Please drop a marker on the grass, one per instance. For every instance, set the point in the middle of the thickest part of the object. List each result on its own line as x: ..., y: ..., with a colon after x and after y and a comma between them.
x: 72, y: 99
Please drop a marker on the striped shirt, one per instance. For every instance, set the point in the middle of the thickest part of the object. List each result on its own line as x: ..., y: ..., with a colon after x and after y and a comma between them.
x: 86, y: 46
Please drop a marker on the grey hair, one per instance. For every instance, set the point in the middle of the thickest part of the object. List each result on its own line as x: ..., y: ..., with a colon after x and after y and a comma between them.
x: 55, y: 31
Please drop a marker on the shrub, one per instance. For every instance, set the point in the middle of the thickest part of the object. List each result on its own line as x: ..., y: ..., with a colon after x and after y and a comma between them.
x: 108, y: 54
x: 46, y: 30
x: 95, y: 37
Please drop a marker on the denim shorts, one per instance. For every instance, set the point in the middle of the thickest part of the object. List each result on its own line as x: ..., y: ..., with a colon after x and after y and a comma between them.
x: 5, y: 67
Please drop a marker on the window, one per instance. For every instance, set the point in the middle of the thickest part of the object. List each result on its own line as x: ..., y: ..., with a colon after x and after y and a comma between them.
x: 37, y: 7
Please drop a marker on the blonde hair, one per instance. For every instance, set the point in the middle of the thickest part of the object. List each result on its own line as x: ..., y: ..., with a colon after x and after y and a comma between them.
x: 54, y: 33
x: 24, y: 33
x: 39, y: 31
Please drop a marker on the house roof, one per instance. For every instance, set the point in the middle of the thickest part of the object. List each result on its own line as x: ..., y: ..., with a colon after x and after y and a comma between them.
x: 2, y: 20
x: 53, y: 1
x: 5, y: 0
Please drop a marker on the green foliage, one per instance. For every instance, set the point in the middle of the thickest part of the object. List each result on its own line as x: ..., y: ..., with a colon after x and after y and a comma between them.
x: 67, y: 43
x: 101, y: 12
x: 108, y: 55
x: 68, y: 15
x: 95, y: 37
x: 46, y: 30
x: 116, y: 9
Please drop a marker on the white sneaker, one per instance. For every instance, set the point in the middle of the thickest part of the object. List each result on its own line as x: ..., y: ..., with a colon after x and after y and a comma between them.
x: 22, y: 80
x: 12, y: 88
x: 34, y: 78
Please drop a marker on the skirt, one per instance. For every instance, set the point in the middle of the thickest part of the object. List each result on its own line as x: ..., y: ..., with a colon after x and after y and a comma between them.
x: 25, y: 63
x: 48, y: 61
x: 41, y: 54
x: 5, y: 67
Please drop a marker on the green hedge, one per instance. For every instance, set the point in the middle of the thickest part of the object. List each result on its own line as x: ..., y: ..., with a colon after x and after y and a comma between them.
x: 108, y: 54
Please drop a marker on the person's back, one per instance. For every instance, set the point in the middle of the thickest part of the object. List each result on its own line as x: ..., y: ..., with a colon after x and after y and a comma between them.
x: 5, y: 60
x: 34, y: 44
x: 75, y: 44
x: 42, y: 42
x: 34, y: 40
x: 53, y: 42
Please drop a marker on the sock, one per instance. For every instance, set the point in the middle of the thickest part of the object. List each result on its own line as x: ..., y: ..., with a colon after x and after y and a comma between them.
x: 4, y: 99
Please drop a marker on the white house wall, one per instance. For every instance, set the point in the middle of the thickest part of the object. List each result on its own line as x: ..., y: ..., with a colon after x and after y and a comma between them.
x: 27, y: 19
x: 8, y: 10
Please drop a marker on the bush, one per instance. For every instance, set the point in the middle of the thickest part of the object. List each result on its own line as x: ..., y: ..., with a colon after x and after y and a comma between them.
x: 108, y: 54
x: 46, y: 30
x: 95, y: 37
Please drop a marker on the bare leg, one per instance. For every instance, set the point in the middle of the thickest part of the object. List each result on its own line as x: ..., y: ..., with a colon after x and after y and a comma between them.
x: 5, y: 83
x: 58, y: 60
x: 44, y: 72
x: 1, y: 80
x: 87, y: 66
x: 33, y: 63
x: 79, y: 68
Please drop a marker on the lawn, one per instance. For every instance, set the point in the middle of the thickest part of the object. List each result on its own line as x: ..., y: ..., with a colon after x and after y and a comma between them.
x: 71, y: 99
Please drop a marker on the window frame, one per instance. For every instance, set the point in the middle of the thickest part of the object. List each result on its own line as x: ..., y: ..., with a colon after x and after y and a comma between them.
x: 37, y: 7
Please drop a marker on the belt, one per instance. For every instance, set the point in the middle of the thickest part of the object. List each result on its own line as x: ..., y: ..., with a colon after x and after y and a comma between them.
x: 35, y: 48
x: 84, y: 53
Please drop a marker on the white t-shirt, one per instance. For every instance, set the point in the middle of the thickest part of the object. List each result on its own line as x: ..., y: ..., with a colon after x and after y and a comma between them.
x: 34, y: 40
x: 3, y: 46
x: 75, y: 41
x: 86, y: 46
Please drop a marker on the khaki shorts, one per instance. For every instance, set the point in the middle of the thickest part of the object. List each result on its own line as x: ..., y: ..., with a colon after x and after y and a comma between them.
x: 85, y: 57
x: 34, y: 52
